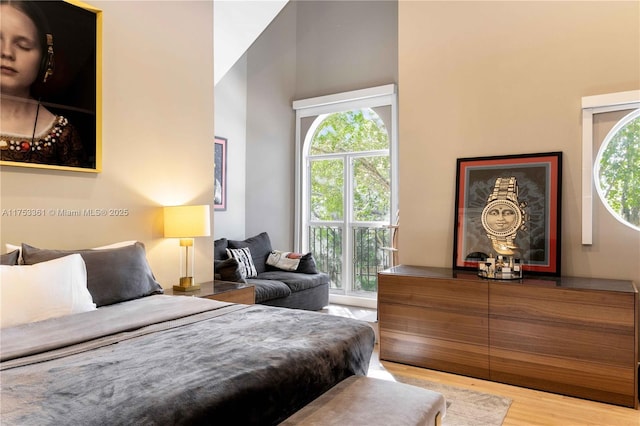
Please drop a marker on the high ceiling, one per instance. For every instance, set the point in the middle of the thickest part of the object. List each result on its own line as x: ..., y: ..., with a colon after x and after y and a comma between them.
x: 236, y: 25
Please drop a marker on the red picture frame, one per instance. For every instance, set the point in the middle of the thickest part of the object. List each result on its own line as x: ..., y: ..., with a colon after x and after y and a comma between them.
x: 539, y: 181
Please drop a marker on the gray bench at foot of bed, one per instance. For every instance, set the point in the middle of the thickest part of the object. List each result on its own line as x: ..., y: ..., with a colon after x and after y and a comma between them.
x: 360, y: 400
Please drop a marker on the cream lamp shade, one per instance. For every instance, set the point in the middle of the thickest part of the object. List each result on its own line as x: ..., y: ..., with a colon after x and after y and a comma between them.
x: 187, y: 221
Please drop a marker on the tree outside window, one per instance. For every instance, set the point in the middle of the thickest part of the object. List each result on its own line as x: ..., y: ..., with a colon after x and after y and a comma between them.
x: 617, y: 171
x: 350, y: 184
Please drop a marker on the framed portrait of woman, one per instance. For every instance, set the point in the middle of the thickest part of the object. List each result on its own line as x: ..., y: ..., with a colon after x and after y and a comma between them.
x: 50, y: 85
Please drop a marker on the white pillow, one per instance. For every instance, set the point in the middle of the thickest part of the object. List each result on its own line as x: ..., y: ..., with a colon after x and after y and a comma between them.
x: 11, y: 247
x: 245, y: 261
x: 285, y: 260
x: 45, y: 290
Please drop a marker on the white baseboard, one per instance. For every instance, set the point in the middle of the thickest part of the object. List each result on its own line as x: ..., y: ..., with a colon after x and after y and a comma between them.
x: 361, y: 302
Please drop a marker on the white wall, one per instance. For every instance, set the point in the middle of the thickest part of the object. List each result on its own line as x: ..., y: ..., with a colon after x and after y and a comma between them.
x: 157, y: 141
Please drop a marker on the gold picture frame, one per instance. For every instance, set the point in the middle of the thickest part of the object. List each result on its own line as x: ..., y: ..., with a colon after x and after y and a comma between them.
x: 70, y: 91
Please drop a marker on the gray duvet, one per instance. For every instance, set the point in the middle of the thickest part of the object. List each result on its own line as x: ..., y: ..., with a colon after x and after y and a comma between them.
x: 166, y: 360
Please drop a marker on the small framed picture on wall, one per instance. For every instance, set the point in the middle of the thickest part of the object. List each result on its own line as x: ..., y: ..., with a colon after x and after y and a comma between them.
x: 220, y: 174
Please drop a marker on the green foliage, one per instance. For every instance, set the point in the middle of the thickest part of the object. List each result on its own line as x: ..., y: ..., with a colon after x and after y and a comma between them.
x: 350, y: 131
x: 371, y: 195
x: 327, y: 183
x: 346, y: 132
x: 361, y: 132
x: 620, y: 172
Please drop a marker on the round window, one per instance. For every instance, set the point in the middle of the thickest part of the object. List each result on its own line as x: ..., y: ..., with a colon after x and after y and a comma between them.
x: 617, y: 171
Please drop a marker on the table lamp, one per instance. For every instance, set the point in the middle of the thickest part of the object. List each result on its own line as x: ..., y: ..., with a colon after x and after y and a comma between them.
x: 186, y: 223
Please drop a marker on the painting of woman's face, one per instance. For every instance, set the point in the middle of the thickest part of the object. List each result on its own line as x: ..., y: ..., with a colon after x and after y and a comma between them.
x: 21, y: 52
x: 49, y: 92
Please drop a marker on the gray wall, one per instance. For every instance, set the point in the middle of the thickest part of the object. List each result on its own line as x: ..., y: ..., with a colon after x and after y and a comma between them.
x: 271, y: 76
x: 231, y: 123
x: 312, y: 48
x: 345, y: 45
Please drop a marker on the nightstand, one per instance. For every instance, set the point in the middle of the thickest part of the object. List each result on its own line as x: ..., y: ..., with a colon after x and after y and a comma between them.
x: 224, y: 291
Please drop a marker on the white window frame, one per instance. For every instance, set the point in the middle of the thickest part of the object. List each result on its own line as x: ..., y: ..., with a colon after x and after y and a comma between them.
x: 592, y: 105
x: 365, y: 98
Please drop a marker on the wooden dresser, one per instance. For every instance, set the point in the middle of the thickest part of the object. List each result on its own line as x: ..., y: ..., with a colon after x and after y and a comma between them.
x: 573, y: 336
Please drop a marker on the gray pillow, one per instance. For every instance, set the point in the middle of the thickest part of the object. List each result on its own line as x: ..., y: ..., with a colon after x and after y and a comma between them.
x: 10, y: 258
x: 228, y: 269
x: 260, y: 248
x: 113, y: 275
x: 307, y: 264
x: 220, y: 249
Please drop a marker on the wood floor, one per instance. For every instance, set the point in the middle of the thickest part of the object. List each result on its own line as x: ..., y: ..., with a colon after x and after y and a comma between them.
x: 529, y: 407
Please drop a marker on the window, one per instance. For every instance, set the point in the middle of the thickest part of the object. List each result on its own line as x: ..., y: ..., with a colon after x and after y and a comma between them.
x: 349, y: 198
x: 346, y: 187
x: 610, y: 130
x: 617, y: 170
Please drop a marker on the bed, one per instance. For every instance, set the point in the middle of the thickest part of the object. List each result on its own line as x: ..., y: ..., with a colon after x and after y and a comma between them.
x: 159, y: 360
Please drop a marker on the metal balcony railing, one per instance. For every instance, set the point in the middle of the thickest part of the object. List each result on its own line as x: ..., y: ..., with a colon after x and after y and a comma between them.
x: 369, y: 257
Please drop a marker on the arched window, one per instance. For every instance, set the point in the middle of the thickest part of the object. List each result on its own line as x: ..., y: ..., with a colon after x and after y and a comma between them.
x: 358, y: 137
x: 347, y: 191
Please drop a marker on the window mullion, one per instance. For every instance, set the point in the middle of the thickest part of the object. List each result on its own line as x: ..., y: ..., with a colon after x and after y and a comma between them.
x: 348, y: 235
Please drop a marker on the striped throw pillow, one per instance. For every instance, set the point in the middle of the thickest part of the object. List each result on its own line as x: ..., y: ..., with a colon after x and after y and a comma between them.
x: 245, y: 262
